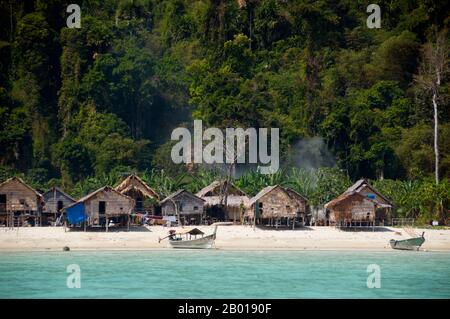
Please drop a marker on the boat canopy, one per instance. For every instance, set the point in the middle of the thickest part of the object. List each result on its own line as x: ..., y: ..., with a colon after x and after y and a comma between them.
x: 193, y: 231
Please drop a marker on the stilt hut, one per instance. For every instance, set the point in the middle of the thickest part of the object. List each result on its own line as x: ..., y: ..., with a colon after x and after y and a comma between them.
x: 20, y: 204
x: 274, y: 206
x: 55, y: 201
x: 100, y: 208
x: 351, y: 209
x: 384, y: 205
x: 302, y: 206
x: 214, y: 196
x: 144, y: 196
x: 360, y: 205
x: 188, y: 206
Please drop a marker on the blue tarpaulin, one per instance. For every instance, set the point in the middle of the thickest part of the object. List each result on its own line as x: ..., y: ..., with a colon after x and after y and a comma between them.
x: 371, y: 196
x: 75, y: 213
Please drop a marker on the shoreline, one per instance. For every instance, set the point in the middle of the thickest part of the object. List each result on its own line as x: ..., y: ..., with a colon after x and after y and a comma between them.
x: 168, y: 249
x: 229, y: 238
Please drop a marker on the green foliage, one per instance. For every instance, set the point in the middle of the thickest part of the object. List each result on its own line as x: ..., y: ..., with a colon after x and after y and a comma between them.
x: 421, y: 199
x: 202, y: 177
x: 162, y: 160
x: 97, y: 143
x: 396, y: 59
x: 163, y: 183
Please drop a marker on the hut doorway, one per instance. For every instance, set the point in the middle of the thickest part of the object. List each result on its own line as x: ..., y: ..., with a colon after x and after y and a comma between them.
x: 381, y: 215
x: 101, y: 207
x: 139, y: 204
x: 3, y: 217
x: 2, y: 202
x: 60, y: 205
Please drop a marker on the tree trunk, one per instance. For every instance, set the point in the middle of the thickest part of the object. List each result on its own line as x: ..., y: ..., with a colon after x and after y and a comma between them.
x: 436, y: 145
x: 177, y: 212
x: 225, y: 190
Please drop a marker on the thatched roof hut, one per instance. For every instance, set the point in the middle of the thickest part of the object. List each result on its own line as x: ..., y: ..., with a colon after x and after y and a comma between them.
x: 363, y: 187
x: 276, y: 202
x: 134, y: 187
x: 98, y: 207
x: 188, y: 206
x: 214, y: 196
x: 56, y: 200
x: 361, y: 203
x: 16, y: 195
x: 302, y: 201
x: 18, y: 202
x: 351, y: 206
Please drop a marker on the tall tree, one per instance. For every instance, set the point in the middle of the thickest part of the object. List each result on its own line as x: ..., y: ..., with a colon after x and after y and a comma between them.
x: 432, y: 72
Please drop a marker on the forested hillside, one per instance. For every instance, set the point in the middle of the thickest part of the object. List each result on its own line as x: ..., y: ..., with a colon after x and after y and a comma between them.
x: 81, y: 104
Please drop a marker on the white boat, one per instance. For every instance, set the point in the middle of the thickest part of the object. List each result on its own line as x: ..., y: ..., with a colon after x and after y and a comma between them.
x: 188, y: 238
x: 408, y: 244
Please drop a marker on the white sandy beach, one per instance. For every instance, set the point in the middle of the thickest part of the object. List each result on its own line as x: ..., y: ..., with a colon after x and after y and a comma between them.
x: 228, y: 237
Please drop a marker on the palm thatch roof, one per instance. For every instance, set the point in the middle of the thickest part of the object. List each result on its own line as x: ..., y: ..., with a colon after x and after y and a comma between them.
x: 59, y: 190
x: 94, y: 193
x: 135, y: 183
x: 215, y: 188
x: 232, y: 201
x: 261, y: 193
x: 343, y: 197
x: 20, y: 181
x: 363, y: 183
x: 293, y: 193
x: 174, y: 195
x: 212, y: 195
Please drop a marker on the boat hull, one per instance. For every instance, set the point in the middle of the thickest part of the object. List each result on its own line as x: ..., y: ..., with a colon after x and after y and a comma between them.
x: 407, y: 244
x: 206, y: 242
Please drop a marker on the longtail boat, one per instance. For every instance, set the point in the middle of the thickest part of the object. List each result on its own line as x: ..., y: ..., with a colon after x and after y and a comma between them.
x: 408, y: 244
x: 187, y: 239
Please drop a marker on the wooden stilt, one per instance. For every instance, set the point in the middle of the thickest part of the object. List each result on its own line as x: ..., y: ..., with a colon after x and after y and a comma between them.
x: 293, y: 224
x: 107, y: 223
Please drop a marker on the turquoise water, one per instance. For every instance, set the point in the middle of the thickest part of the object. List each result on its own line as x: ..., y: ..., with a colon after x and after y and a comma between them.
x: 225, y: 274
